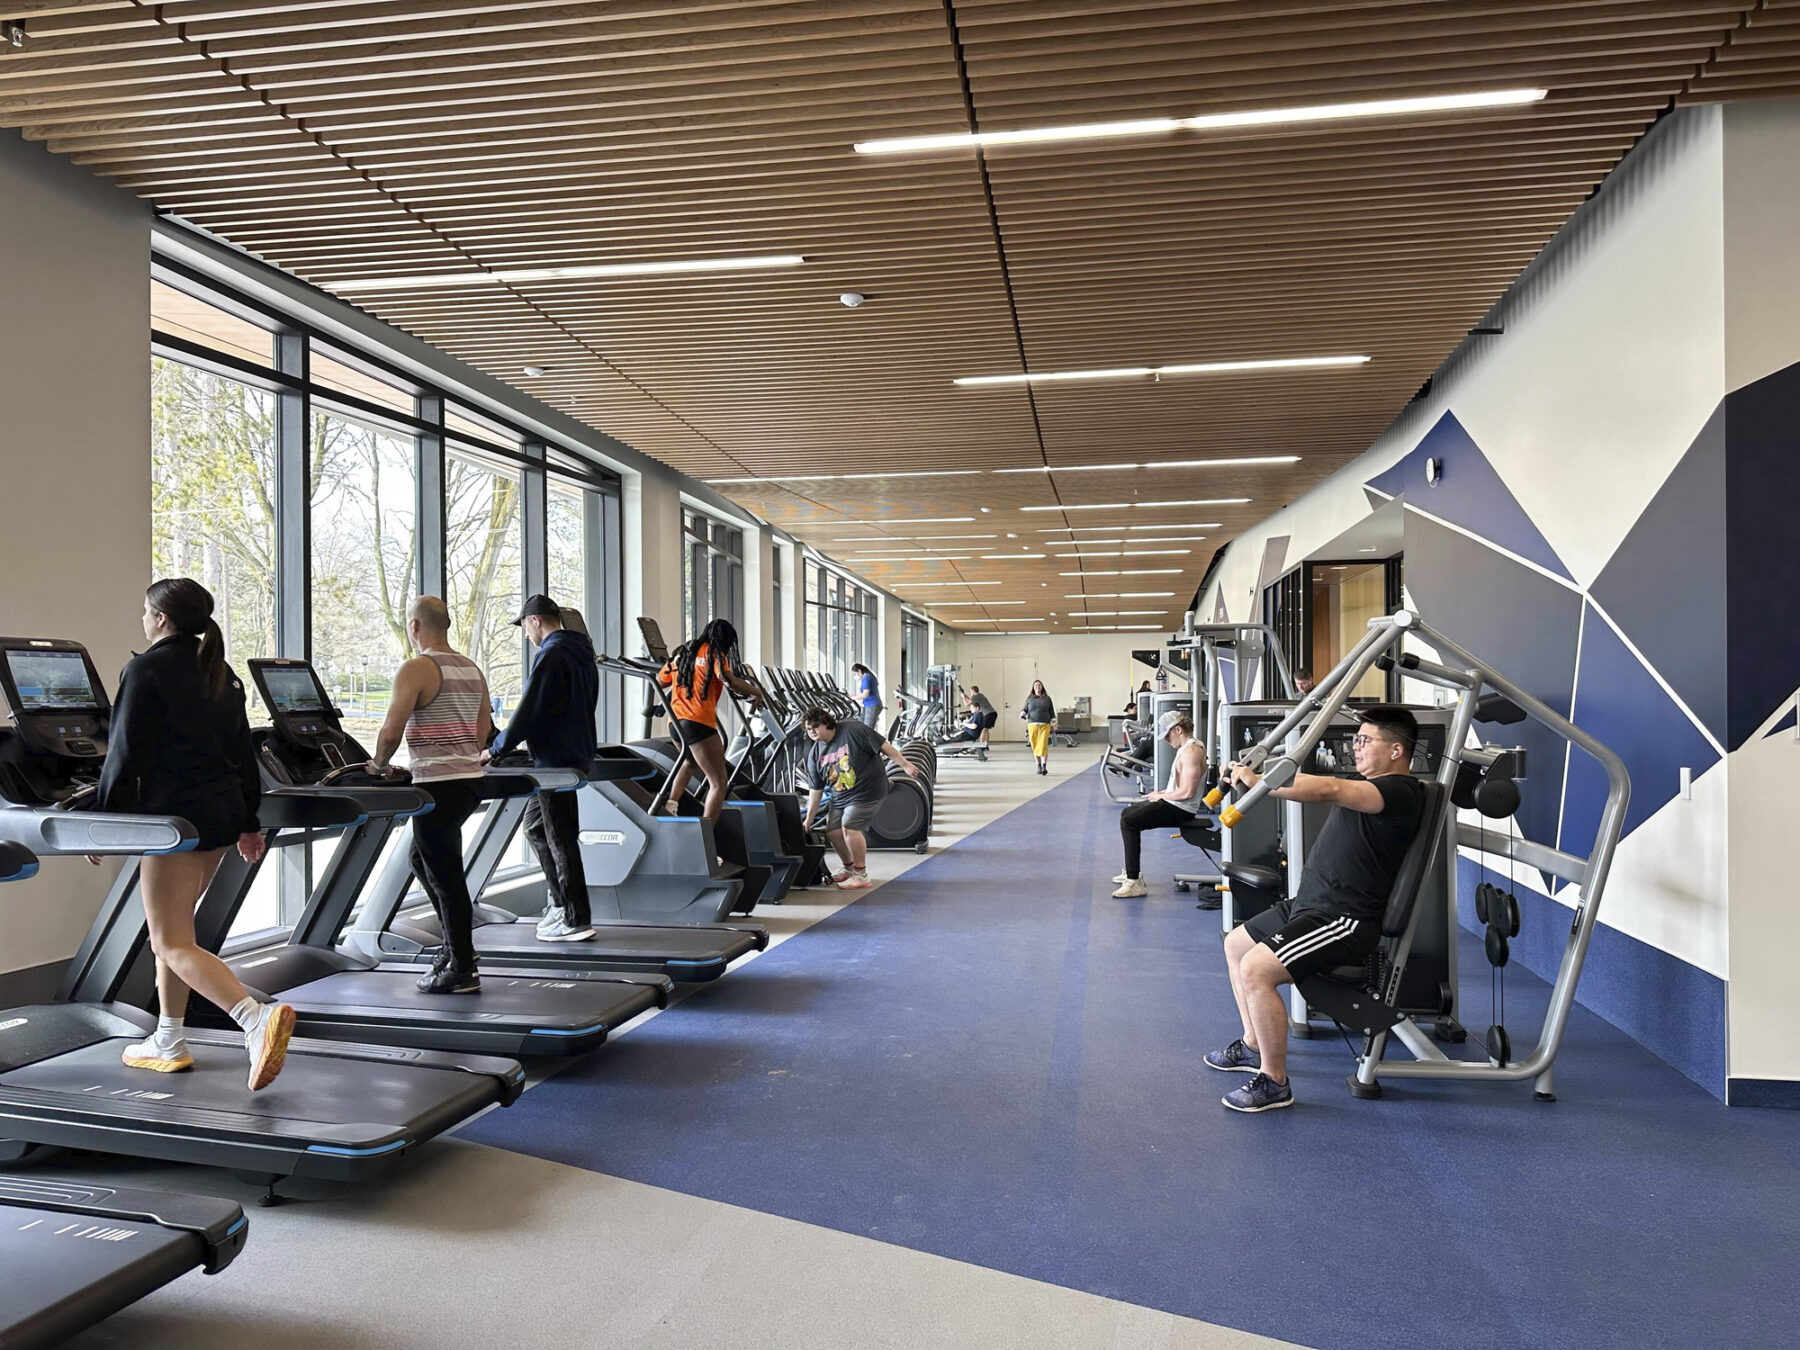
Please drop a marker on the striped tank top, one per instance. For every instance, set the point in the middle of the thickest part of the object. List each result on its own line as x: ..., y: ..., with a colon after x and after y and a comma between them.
x: 443, y: 737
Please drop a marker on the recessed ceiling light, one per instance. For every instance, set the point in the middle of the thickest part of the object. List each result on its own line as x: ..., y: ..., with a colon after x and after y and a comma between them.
x: 946, y: 604
x: 1120, y: 595
x: 1190, y: 368
x: 924, y: 585
x: 1130, y: 572
x: 1164, y: 464
x: 642, y: 269
x: 1095, y: 506
x: 1008, y: 557
x: 1261, y: 117
x: 1120, y: 613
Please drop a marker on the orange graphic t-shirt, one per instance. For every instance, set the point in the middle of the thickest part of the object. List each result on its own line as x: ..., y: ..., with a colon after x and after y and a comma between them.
x: 701, y: 706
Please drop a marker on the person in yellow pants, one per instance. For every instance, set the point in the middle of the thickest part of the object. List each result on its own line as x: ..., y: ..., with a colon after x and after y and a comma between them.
x: 1040, y: 721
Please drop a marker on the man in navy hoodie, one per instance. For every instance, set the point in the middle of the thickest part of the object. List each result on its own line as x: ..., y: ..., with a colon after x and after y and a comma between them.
x: 555, y: 718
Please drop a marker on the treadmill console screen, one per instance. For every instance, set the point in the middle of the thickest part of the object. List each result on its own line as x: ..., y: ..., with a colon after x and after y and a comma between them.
x: 291, y: 689
x: 51, y: 681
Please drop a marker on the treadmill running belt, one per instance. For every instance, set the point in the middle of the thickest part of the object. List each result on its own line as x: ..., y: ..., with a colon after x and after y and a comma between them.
x: 688, y: 953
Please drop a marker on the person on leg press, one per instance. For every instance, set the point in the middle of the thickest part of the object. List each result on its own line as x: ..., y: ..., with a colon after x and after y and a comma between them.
x: 1334, y: 918
x: 846, y: 757
x: 1172, y: 807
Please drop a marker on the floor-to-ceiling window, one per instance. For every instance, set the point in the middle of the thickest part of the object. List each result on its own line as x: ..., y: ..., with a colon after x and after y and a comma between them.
x: 841, y: 623
x: 318, y: 490
x: 712, y: 573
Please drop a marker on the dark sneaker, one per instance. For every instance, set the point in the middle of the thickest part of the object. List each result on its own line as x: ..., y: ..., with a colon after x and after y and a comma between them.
x: 1261, y: 1093
x: 450, y: 980
x: 1235, y: 1058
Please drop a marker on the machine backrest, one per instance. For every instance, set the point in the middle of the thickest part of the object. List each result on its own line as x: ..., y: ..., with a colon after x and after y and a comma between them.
x: 1420, y: 855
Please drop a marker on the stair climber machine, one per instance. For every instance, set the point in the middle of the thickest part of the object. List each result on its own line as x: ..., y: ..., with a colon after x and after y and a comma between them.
x: 1385, y: 998
x: 342, y: 991
x: 667, y: 944
x: 777, y: 757
x: 750, y: 756
x: 748, y: 831
x: 338, y: 1112
x: 74, y: 1253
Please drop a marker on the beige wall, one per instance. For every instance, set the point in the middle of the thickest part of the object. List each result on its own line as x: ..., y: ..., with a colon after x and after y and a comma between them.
x: 1096, y: 664
x: 75, y: 440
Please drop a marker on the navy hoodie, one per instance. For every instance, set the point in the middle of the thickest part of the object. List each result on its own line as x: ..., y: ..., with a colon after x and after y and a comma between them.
x: 556, y: 713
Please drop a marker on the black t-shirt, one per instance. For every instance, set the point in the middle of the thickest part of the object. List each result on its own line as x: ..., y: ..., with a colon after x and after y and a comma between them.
x: 849, y: 765
x: 1357, y: 856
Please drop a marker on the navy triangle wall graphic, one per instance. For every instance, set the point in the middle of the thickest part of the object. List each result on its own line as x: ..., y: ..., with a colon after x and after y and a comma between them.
x: 1469, y: 494
x: 1785, y: 724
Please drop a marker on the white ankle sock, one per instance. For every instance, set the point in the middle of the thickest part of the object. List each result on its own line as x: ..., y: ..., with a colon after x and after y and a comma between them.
x: 246, y: 1012
x: 170, y: 1032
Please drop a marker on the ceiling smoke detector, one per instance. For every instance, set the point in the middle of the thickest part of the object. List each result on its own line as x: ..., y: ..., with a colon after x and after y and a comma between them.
x: 535, y: 371
x: 851, y: 299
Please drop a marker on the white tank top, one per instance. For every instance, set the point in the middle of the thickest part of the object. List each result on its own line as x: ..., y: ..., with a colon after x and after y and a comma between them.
x: 444, y: 736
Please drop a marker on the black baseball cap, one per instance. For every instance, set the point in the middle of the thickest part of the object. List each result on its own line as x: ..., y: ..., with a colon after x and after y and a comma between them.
x: 541, y: 605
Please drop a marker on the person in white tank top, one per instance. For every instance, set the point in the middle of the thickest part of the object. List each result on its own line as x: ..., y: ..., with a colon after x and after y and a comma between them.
x: 440, y: 709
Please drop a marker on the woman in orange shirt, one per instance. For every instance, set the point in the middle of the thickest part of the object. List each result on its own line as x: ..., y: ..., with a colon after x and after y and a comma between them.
x: 695, y: 676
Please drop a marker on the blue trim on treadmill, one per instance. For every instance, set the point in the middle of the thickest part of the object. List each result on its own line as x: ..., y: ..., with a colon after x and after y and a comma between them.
x: 340, y: 1152
x: 237, y: 1227
x: 26, y: 872
x: 693, y: 961
x: 577, y: 1031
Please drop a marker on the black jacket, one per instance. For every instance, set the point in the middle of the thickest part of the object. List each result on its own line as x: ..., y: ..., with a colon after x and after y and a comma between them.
x: 174, y: 750
x: 556, y: 713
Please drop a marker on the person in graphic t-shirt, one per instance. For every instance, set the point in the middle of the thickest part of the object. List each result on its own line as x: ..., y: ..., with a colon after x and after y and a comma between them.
x: 1334, y: 918
x: 845, y: 760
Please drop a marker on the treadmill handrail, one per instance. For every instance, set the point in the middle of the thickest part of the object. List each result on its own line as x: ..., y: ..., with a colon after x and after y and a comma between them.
x: 49, y: 832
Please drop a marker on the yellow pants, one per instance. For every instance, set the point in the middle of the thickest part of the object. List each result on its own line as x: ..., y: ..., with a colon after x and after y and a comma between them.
x: 1039, y: 732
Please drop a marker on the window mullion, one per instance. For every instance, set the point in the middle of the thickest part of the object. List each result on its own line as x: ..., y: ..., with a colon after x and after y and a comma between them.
x: 293, y: 503
x: 428, y: 501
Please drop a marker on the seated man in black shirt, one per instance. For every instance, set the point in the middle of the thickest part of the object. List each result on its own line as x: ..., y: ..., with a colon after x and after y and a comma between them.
x: 1334, y: 918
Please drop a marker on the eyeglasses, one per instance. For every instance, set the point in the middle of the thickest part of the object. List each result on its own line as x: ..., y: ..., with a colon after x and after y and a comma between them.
x: 1358, y: 742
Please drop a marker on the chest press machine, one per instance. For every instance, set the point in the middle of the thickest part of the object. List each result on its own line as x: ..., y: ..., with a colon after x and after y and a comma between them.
x: 1366, y: 999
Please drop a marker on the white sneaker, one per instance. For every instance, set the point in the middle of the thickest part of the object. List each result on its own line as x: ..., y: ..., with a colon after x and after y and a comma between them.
x: 562, y: 932
x: 550, y: 918
x: 1122, y: 878
x: 159, y: 1056
x: 1131, y: 890
x: 267, y: 1042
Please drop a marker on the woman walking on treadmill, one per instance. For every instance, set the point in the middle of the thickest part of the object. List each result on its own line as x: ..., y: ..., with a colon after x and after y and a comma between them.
x: 179, y: 745
x: 696, y: 675
x: 1040, y: 721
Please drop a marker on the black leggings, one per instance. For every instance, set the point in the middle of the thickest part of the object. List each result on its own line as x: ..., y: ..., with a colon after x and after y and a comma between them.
x: 437, y: 860
x: 1141, y: 816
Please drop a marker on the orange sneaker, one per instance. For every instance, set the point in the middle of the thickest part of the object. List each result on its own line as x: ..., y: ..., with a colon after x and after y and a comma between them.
x: 267, y: 1043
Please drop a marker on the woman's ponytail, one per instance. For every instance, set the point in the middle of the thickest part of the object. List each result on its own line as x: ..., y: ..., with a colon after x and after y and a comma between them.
x: 188, y: 606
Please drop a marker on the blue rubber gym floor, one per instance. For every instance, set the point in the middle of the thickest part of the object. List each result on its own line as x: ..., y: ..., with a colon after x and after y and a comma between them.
x: 992, y: 1060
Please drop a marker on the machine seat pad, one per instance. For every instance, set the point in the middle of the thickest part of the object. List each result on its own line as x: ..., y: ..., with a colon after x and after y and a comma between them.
x: 1202, y: 834
x: 1254, y: 874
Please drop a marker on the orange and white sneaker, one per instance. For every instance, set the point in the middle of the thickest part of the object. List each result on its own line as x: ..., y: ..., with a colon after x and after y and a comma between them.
x: 158, y: 1055
x: 855, y: 881
x: 267, y: 1042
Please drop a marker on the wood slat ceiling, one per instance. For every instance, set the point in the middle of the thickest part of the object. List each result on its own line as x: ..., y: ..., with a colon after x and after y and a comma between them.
x: 347, y: 140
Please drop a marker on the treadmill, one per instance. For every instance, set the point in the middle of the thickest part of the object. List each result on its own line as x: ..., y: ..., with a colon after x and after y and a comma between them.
x: 75, y: 1253
x: 684, y: 952
x: 339, y: 1112
x: 341, y: 993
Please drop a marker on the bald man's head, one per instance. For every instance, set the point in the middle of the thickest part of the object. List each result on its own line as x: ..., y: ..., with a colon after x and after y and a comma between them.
x: 431, y: 614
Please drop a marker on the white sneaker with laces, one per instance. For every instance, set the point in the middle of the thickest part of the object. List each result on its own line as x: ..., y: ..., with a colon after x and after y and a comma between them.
x: 550, y: 918
x: 563, y: 932
x: 1121, y: 879
x: 1131, y: 890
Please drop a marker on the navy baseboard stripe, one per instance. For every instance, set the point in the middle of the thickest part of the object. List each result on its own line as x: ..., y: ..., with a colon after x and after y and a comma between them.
x: 1673, y: 1009
x: 1780, y: 1093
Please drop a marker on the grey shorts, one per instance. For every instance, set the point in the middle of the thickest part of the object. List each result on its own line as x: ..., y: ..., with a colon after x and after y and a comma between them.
x: 856, y: 816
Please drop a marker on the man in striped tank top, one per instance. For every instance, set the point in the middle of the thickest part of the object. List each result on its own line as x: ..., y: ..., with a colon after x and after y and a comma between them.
x: 440, y: 708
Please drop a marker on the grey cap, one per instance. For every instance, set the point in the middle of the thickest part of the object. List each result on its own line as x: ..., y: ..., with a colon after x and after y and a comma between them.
x: 1168, y: 722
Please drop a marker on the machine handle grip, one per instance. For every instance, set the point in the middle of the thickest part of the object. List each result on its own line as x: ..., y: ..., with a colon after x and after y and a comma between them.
x: 1214, y: 797
x: 1230, y: 816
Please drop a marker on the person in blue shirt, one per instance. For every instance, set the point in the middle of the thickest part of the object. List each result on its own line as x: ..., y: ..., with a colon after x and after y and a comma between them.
x: 555, y: 718
x: 868, y: 694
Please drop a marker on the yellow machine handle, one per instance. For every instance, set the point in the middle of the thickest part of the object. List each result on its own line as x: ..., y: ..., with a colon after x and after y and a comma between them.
x: 1230, y: 816
x: 1213, y: 799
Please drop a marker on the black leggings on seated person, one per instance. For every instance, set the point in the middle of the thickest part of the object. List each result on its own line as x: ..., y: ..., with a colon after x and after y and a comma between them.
x: 1141, y: 816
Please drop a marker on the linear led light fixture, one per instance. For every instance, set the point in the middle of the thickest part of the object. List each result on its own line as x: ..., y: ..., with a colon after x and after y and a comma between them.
x: 1121, y: 595
x: 1141, y: 506
x: 909, y: 538
x: 1130, y: 553
x: 1138, y: 372
x: 1118, y: 613
x: 1010, y: 618
x: 674, y: 266
x: 1009, y: 557
x: 1227, y: 121
x: 1077, y: 529
x: 1130, y: 572
x: 923, y: 585
x: 1117, y: 627
x: 837, y: 477
x: 910, y: 558
x: 922, y: 520
x: 1164, y: 464
x: 985, y: 604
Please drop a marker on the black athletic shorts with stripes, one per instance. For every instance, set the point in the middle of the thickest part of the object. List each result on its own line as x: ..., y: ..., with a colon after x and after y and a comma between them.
x: 1307, y: 941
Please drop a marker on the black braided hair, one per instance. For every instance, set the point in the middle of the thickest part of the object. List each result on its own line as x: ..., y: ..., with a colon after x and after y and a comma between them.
x: 719, y: 637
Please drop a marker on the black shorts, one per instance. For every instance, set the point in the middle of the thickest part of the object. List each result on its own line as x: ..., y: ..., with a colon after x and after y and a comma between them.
x: 1307, y: 941
x: 697, y: 731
